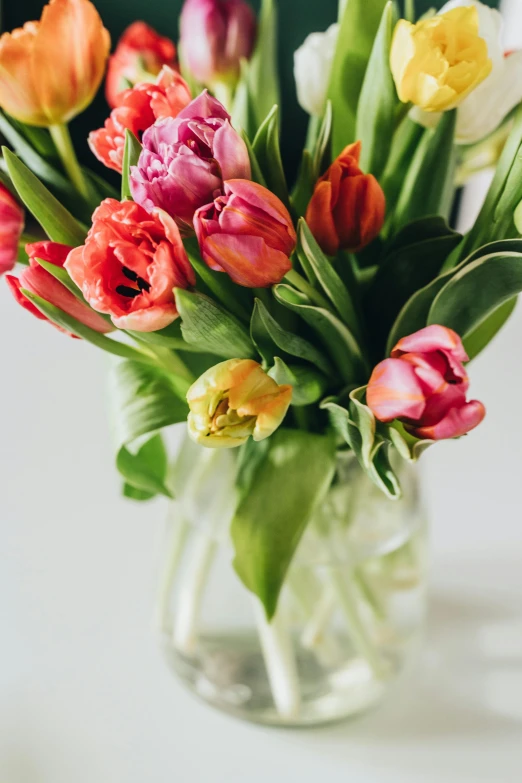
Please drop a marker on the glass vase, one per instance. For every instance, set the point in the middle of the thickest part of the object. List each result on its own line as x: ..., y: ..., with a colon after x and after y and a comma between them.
x: 349, y: 617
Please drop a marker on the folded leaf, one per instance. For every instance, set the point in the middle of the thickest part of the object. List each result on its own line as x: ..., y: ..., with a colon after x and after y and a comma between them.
x: 308, y: 385
x: 290, y: 482
x: 144, y: 472
x: 263, y: 71
x: 131, y: 153
x: 268, y: 154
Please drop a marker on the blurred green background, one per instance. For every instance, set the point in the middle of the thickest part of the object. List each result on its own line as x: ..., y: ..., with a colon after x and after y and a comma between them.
x: 297, y: 19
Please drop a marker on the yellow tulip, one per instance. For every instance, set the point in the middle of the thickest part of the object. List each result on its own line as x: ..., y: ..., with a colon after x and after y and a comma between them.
x: 437, y: 62
x: 51, y: 70
x: 234, y: 400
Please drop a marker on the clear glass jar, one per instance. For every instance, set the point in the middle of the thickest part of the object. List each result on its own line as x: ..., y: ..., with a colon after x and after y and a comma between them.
x: 349, y: 617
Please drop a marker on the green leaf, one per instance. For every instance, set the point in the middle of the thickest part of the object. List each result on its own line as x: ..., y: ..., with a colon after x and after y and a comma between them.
x: 270, y: 338
x: 103, y: 188
x: 475, y: 292
x: 263, y: 70
x: 311, y: 255
x: 408, y: 447
x: 479, y: 338
x: 358, y: 27
x: 337, y: 338
x: 322, y: 141
x: 376, y: 110
x: 144, y: 400
x: 144, y: 472
x: 242, y: 113
x: 268, y: 154
x: 425, y: 183
x: 56, y: 221
x: 290, y: 483
x: 169, y: 337
x: 308, y: 385
x: 304, y: 186
x: 257, y: 174
x: 415, y: 258
x: 405, y: 142
x: 131, y: 154
x: 210, y: 327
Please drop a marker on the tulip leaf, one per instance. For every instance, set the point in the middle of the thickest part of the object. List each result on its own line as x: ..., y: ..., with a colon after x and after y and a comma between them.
x: 476, y: 291
x: 311, y: 255
x: 61, y: 274
x: 376, y: 110
x: 290, y: 482
x: 144, y: 400
x: 268, y: 154
x: 337, y: 338
x: 131, y: 154
x: 263, y: 72
x: 409, y: 447
x: 242, y: 111
x: 304, y: 186
x: 257, y: 174
x: 405, y: 142
x: 308, y: 385
x: 56, y: 221
x: 270, y: 338
x: 210, y: 327
x: 415, y: 258
x: 479, y: 338
x: 322, y: 141
x: 358, y: 27
x: 425, y: 183
x: 169, y: 337
x: 103, y: 188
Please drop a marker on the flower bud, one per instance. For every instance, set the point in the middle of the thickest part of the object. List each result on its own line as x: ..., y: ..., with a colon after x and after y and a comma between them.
x: 42, y: 283
x: 234, y: 400
x: 424, y: 385
x: 347, y: 208
x: 50, y: 70
x: 215, y: 36
x: 11, y: 227
x: 185, y: 160
x: 312, y: 68
x: 437, y: 62
x: 137, y: 109
x: 130, y: 264
x: 140, y: 55
x: 247, y: 233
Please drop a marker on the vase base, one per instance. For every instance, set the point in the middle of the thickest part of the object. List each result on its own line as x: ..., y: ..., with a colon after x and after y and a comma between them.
x: 229, y: 672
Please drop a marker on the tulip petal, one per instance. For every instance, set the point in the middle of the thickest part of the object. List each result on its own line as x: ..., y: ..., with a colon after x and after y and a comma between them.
x: 248, y: 260
x: 231, y: 153
x: 457, y: 422
x: 394, y: 391
x: 432, y: 338
x: 320, y: 220
x: 18, y: 94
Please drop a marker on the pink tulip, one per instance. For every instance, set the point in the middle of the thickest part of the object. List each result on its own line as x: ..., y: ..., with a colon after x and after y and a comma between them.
x: 215, y: 36
x: 424, y: 385
x: 247, y: 233
x: 40, y: 282
x: 185, y: 160
x: 11, y: 227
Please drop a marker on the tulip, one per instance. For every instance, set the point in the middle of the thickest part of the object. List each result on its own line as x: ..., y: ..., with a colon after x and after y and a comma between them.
x: 424, y: 385
x: 137, y: 109
x: 484, y: 109
x: 42, y: 283
x: 347, y: 207
x: 247, y: 233
x: 215, y: 35
x: 50, y: 70
x: 185, y: 160
x: 11, y: 227
x: 312, y: 68
x: 130, y: 264
x: 139, y: 57
x: 437, y: 62
x: 234, y: 400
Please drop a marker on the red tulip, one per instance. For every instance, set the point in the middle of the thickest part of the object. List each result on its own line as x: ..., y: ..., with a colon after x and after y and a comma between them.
x: 215, y: 36
x: 139, y: 57
x: 347, y: 208
x: 130, y: 264
x: 137, y: 109
x: 39, y: 281
x: 11, y: 227
x: 247, y: 233
x: 424, y: 385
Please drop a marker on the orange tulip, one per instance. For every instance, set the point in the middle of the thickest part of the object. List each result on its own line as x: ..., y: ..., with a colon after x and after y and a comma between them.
x: 347, y: 208
x: 50, y: 70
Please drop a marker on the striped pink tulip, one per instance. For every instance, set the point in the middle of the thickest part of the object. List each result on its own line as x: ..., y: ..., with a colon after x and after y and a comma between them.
x: 11, y: 227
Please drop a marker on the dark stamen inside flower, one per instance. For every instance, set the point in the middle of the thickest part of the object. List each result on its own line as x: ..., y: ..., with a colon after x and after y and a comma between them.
x: 125, y: 290
x: 130, y: 274
x: 143, y: 285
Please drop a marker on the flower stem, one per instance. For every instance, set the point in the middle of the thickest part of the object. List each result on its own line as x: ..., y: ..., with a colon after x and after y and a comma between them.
x: 294, y: 278
x: 178, y: 536
x: 280, y: 663
x: 64, y: 146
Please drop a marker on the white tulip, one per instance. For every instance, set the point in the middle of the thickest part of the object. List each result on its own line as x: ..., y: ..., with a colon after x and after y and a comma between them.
x: 312, y: 68
x: 485, y: 108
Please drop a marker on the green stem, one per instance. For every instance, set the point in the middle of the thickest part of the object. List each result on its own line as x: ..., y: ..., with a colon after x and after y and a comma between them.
x: 295, y: 279
x: 64, y: 146
x: 178, y: 536
x: 224, y: 92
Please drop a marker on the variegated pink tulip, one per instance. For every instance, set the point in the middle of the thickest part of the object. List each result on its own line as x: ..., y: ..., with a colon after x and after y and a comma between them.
x: 247, y: 233
x: 11, y: 227
x: 424, y: 385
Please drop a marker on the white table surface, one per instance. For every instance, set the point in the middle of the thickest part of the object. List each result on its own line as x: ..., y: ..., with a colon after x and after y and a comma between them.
x: 85, y: 696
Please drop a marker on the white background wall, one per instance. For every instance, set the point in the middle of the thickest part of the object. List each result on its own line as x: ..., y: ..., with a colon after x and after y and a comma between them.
x: 84, y: 693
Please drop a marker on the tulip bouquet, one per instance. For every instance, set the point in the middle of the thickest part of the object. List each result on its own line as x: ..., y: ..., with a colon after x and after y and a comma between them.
x: 290, y: 321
